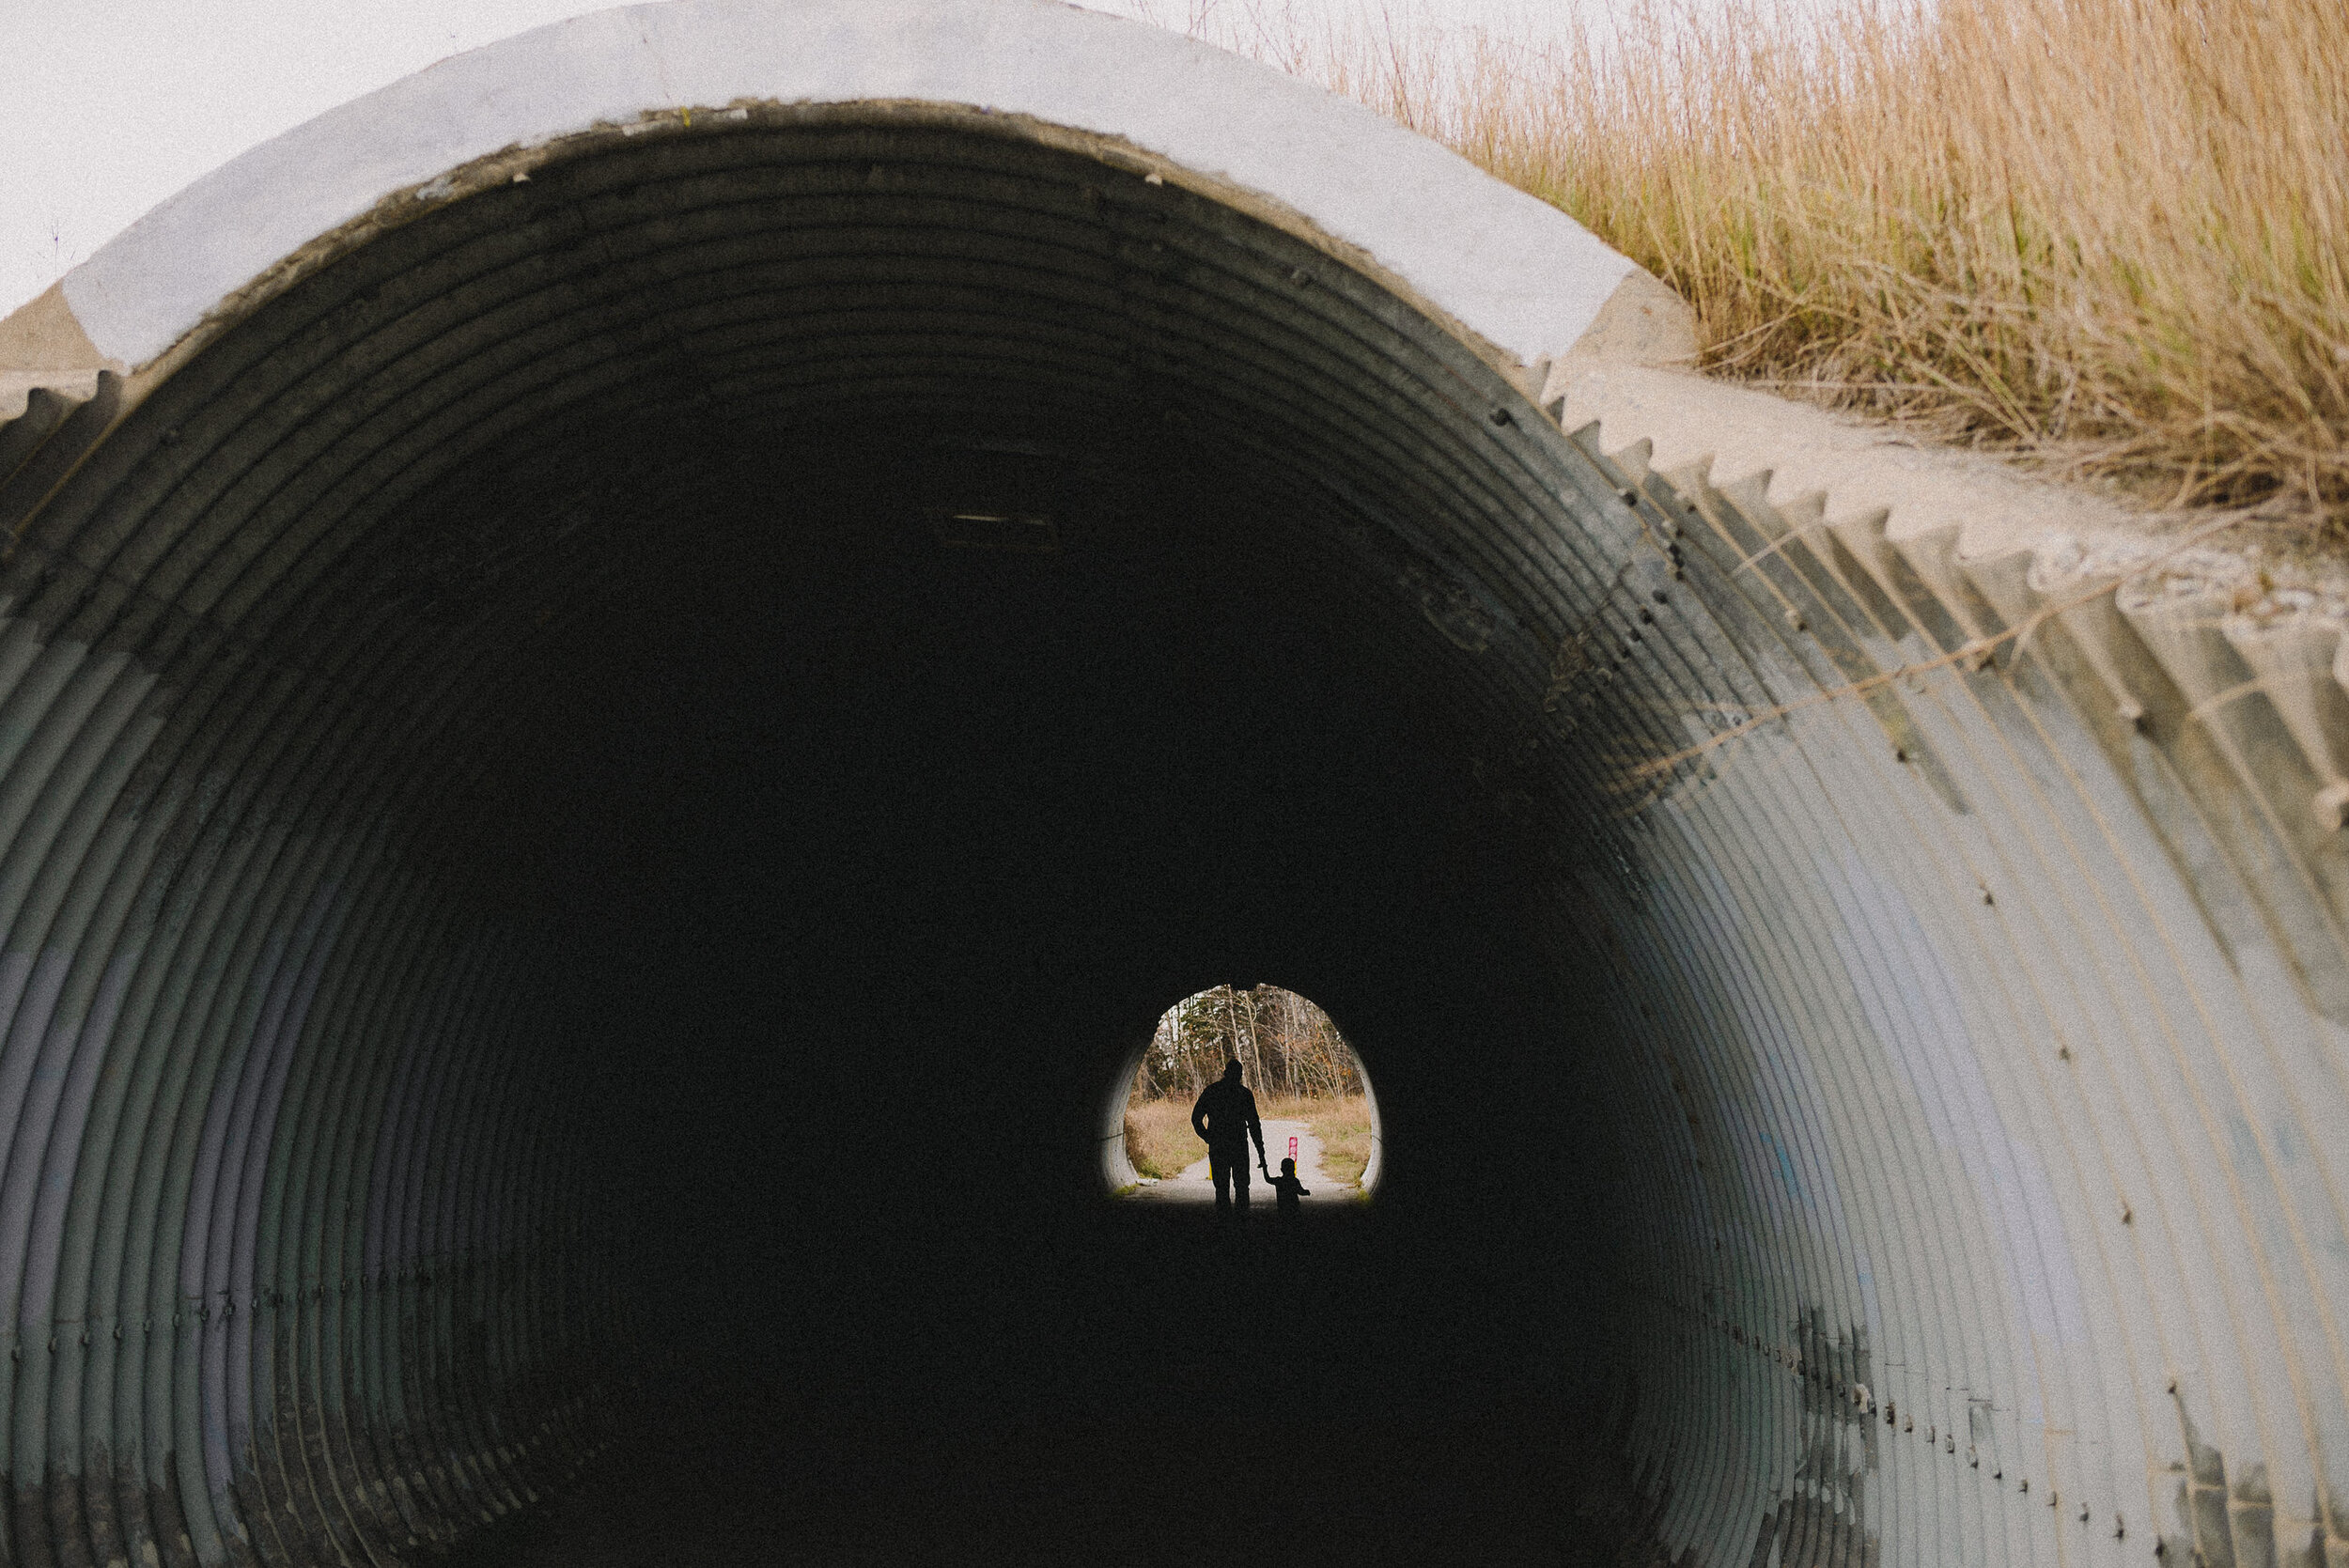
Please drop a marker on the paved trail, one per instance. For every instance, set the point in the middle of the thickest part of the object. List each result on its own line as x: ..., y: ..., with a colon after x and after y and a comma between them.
x: 1194, y: 1185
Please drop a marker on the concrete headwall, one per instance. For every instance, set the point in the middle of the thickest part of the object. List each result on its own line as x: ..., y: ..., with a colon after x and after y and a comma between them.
x: 1945, y: 875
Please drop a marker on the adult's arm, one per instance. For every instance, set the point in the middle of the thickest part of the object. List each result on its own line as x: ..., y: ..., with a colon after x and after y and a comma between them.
x: 1199, y: 1117
x: 1255, y: 1127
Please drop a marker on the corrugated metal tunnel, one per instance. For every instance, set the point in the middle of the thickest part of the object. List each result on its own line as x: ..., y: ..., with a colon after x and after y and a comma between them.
x: 602, y: 764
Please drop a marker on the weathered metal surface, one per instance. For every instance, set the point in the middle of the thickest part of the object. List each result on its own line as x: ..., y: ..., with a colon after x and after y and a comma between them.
x: 2007, y: 988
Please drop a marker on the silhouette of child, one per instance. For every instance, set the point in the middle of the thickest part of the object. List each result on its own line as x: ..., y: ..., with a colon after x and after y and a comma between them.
x: 1287, y: 1189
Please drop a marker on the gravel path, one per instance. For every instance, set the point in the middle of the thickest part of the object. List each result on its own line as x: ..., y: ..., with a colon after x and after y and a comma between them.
x: 1194, y: 1185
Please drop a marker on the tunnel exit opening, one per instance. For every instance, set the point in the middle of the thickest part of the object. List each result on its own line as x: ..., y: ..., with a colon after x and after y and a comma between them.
x: 1313, y: 1096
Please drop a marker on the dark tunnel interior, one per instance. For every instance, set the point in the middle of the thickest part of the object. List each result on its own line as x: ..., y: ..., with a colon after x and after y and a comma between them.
x: 734, y: 883
x: 870, y: 857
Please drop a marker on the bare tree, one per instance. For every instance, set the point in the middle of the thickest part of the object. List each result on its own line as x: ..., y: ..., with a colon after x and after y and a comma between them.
x: 1285, y: 1046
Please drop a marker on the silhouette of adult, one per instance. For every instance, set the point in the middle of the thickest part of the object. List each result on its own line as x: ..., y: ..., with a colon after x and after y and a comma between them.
x: 1224, y: 1119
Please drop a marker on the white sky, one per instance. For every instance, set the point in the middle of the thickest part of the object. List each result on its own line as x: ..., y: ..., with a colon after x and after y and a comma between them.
x: 109, y: 106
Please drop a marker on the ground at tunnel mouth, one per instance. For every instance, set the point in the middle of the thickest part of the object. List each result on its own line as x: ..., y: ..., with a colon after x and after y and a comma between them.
x: 1195, y: 1185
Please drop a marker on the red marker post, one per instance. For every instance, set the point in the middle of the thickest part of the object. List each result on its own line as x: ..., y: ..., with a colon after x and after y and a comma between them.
x: 1292, y: 1145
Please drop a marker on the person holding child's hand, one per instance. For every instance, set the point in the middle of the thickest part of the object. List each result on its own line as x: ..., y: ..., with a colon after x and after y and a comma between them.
x: 1225, y: 1119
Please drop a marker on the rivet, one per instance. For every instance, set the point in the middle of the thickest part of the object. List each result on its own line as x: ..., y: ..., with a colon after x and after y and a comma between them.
x: 1501, y: 416
x: 1794, y: 619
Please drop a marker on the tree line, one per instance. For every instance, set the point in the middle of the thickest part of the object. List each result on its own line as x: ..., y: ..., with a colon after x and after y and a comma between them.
x: 1286, y: 1046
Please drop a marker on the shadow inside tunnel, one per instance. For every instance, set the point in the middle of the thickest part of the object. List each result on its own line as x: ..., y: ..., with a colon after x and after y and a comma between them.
x: 1124, y: 1384
x: 855, y: 850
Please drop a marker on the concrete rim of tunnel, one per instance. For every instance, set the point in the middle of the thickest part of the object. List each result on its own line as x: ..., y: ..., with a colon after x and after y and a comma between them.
x: 1528, y: 285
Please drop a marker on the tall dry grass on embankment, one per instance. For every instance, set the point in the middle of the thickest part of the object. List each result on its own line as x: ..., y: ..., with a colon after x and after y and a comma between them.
x: 1158, y: 1141
x: 2107, y: 235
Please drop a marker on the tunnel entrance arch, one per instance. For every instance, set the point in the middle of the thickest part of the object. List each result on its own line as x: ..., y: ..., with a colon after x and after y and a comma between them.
x: 415, y: 520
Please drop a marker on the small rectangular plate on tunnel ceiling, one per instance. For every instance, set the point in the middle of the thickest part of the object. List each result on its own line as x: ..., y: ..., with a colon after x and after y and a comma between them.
x: 1020, y: 533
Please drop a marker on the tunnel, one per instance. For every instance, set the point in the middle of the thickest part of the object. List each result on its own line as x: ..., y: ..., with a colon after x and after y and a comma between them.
x: 633, y: 668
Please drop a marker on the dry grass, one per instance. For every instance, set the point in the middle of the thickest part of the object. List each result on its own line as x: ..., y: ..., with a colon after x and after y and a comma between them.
x: 1159, y: 1140
x: 1344, y: 1128
x: 2106, y: 235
